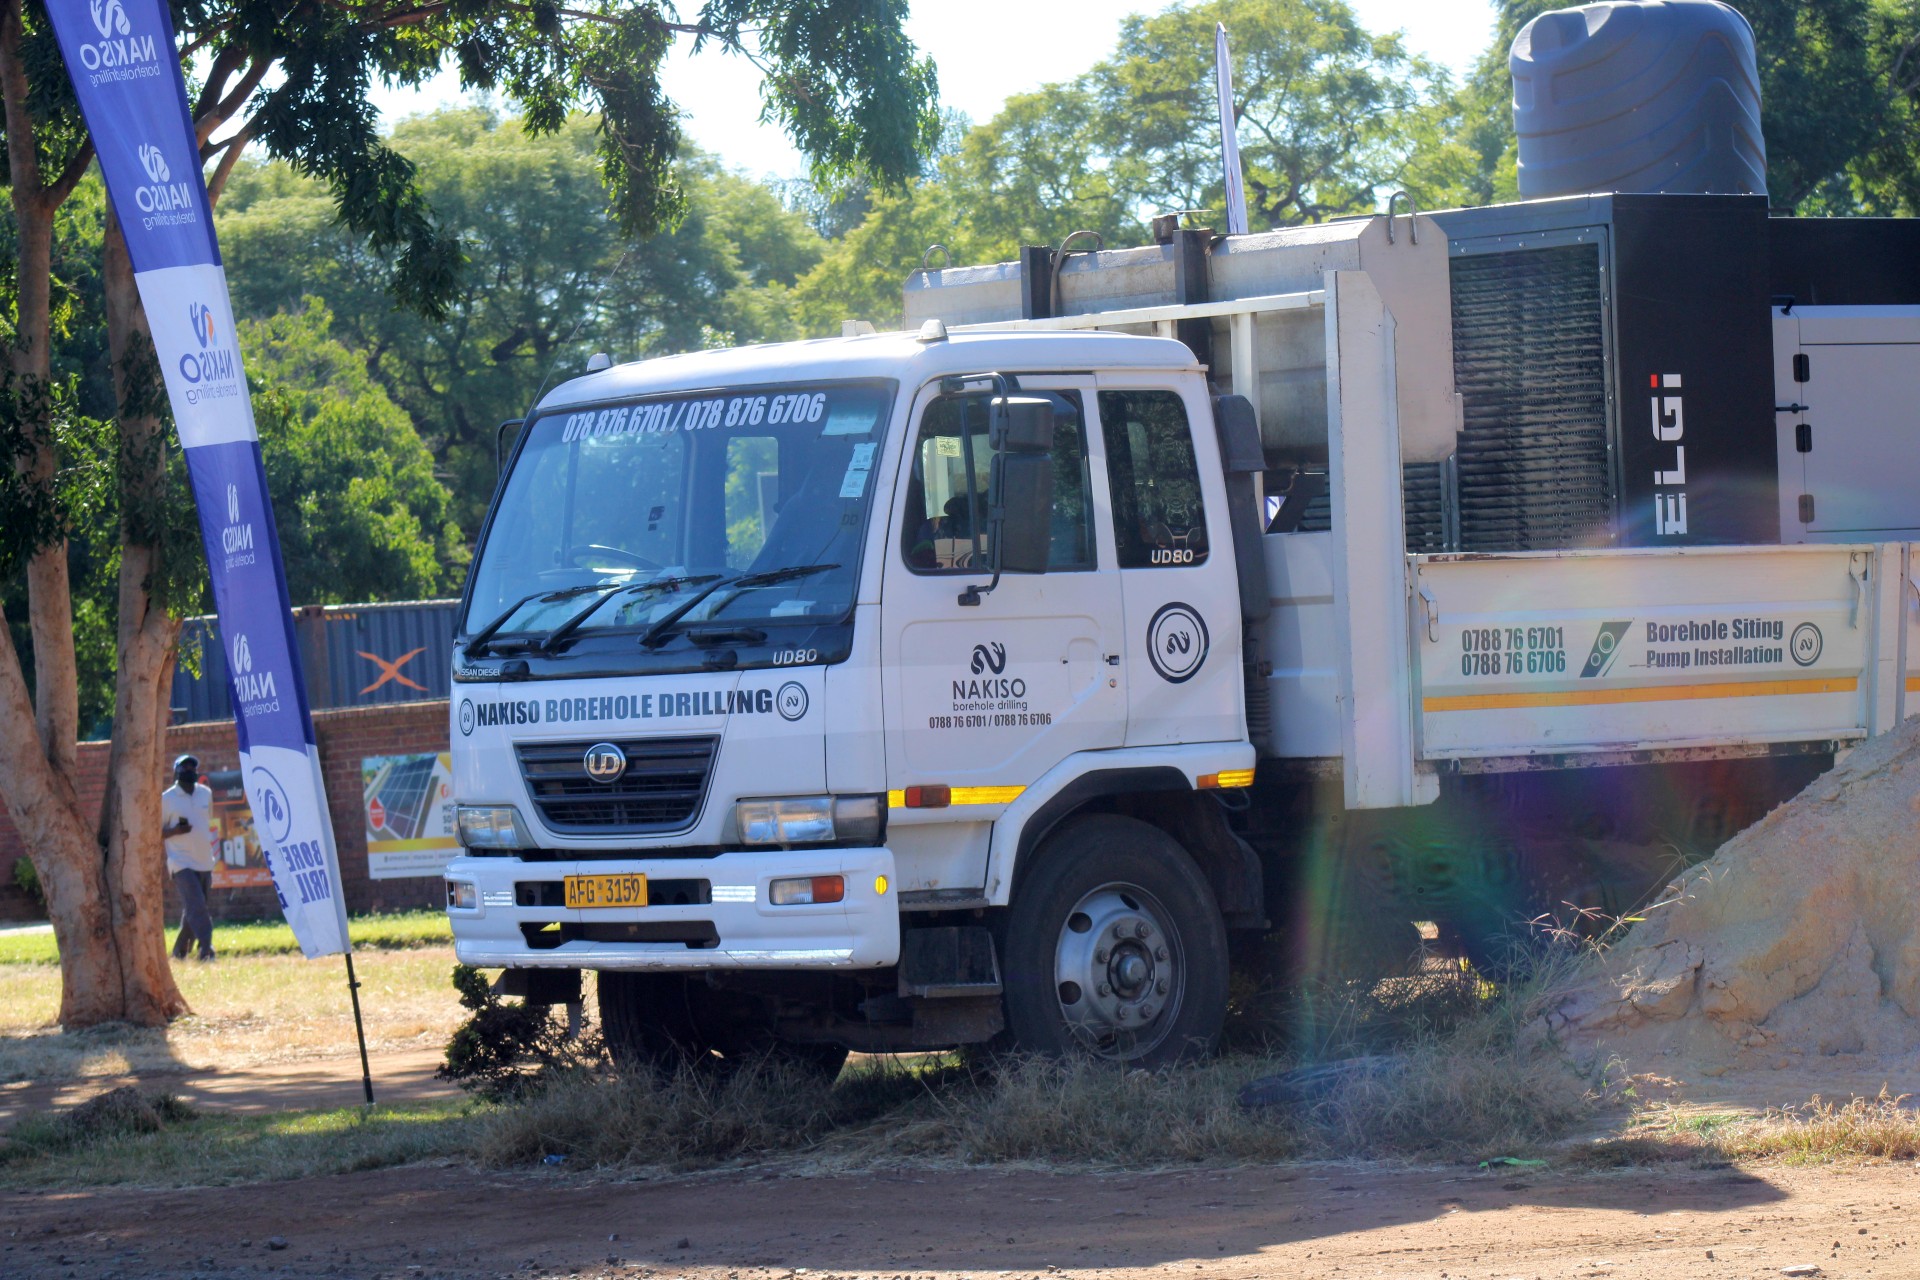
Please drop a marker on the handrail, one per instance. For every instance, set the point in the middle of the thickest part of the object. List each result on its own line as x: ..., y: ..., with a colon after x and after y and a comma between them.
x: 1155, y: 315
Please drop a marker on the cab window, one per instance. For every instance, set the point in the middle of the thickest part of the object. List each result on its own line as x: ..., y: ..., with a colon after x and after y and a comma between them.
x: 946, y: 529
x: 1159, y: 520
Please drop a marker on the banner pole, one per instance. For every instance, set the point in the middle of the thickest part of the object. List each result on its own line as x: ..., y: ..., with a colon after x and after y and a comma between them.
x: 359, y: 1030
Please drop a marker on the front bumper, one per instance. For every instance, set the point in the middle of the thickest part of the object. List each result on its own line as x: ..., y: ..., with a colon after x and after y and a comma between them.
x: 746, y: 931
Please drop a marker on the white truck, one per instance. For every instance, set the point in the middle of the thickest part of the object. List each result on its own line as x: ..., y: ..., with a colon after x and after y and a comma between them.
x: 1001, y: 679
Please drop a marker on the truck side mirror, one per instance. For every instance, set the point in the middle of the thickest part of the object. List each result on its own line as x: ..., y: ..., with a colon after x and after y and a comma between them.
x: 1020, y: 495
x: 1020, y: 424
x: 1019, y: 489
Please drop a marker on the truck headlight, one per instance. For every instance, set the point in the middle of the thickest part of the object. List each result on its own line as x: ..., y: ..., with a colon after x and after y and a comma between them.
x: 491, y: 826
x: 784, y: 820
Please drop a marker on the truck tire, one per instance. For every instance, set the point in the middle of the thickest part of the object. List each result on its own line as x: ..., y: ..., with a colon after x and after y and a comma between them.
x: 647, y: 1022
x: 663, y: 1022
x: 1115, y: 947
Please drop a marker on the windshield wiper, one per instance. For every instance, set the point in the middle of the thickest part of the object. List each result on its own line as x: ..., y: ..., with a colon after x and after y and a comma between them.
x: 659, y: 630
x: 578, y: 620
x: 486, y: 633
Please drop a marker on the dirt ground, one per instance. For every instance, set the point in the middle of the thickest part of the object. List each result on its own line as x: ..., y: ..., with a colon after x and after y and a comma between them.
x: 1302, y: 1220
x: 303, y: 1084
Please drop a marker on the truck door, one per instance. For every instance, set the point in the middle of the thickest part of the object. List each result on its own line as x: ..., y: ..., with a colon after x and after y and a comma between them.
x: 1175, y: 555
x: 982, y: 699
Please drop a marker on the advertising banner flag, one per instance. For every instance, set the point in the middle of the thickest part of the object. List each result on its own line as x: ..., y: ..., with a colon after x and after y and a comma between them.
x: 1229, y: 134
x: 126, y: 73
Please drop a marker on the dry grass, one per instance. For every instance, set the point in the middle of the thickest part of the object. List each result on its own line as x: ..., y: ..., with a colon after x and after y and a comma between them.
x: 248, y: 1011
x: 1886, y: 1127
x: 1472, y: 1088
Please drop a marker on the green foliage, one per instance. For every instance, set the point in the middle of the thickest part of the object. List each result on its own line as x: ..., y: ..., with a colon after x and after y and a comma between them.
x: 26, y: 878
x: 506, y: 1050
x: 1323, y: 108
x: 361, y: 515
x: 1328, y: 116
x: 548, y: 280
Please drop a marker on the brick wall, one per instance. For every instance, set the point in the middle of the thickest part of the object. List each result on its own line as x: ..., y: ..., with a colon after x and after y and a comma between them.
x: 345, y: 736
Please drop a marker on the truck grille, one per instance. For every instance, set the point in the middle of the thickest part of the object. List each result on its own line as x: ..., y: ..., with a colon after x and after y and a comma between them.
x: 661, y: 790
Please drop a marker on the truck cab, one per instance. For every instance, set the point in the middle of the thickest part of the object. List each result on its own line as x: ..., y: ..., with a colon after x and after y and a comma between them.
x: 779, y: 669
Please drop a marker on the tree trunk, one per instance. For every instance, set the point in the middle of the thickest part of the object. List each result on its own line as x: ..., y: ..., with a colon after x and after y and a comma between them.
x: 130, y: 821
x: 37, y: 734
x: 46, y: 813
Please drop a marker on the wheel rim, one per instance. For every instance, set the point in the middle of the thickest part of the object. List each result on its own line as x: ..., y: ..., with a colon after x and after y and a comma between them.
x: 1119, y: 972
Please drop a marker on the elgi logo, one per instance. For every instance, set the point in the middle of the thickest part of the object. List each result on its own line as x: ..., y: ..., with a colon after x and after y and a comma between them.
x: 154, y: 161
x: 989, y: 658
x: 110, y: 18
x: 1669, y: 426
x: 242, y: 655
x: 604, y: 762
x: 1177, y: 642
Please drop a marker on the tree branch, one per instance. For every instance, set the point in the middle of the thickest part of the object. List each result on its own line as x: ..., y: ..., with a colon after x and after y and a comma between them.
x: 233, y: 147
x: 76, y: 169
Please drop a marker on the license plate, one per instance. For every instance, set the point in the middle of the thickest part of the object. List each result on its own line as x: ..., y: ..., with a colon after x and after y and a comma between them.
x: 588, y: 892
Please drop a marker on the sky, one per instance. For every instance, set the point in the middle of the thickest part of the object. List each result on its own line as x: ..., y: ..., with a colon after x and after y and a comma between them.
x: 721, y: 98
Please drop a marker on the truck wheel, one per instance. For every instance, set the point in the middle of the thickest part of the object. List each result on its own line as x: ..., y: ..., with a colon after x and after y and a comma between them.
x: 665, y: 1021
x: 647, y: 1020
x: 1115, y: 947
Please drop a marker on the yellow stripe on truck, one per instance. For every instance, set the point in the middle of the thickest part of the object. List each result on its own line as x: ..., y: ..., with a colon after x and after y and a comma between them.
x: 965, y: 795
x: 1657, y: 693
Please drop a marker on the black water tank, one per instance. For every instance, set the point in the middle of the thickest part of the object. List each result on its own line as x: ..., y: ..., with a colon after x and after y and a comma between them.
x: 1661, y: 96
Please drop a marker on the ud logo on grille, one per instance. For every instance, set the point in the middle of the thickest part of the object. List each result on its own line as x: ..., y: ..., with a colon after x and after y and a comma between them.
x: 605, y: 762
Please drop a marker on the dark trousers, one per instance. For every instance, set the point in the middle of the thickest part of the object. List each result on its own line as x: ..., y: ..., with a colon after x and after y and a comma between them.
x: 194, y: 921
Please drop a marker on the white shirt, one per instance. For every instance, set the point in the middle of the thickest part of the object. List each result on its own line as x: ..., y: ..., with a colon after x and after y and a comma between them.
x: 191, y: 850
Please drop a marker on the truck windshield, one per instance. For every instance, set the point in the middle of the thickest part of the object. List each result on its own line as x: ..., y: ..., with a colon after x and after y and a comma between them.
x: 655, y: 516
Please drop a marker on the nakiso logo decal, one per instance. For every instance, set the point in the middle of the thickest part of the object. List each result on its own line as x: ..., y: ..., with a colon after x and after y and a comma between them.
x: 1806, y: 644
x: 154, y: 161
x: 254, y: 691
x: 110, y: 18
x: 304, y: 861
x: 164, y: 201
x: 466, y: 716
x: 236, y: 539
x: 791, y: 700
x: 118, y: 54
x: 604, y: 762
x: 989, y: 658
x: 1606, y: 647
x: 1177, y: 642
x: 212, y: 372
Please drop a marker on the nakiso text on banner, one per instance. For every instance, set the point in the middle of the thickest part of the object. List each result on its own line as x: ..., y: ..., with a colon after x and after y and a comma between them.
x: 126, y: 74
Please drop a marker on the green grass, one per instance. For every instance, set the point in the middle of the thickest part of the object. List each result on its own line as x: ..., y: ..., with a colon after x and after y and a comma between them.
x: 267, y: 937
x: 213, y: 1149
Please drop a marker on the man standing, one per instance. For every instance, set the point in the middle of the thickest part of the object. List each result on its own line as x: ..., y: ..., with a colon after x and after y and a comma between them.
x: 185, y: 823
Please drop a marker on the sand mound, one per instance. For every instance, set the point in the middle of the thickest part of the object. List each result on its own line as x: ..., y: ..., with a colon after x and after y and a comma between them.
x: 1799, y: 938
